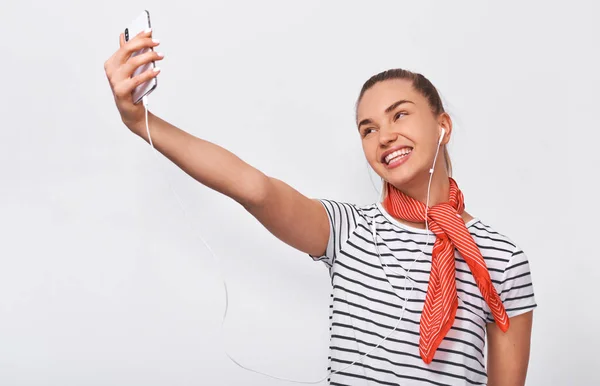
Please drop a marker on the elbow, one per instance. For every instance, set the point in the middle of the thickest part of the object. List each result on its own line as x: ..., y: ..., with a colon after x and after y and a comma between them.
x: 254, y: 190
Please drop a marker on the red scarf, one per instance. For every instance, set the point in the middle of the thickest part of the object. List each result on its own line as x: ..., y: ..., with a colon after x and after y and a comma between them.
x: 441, y: 301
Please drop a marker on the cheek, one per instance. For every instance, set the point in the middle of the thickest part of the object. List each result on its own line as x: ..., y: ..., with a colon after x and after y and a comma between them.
x: 426, y: 141
x: 370, y: 151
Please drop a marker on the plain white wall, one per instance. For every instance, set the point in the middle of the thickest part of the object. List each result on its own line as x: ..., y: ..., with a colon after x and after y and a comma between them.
x: 103, y: 280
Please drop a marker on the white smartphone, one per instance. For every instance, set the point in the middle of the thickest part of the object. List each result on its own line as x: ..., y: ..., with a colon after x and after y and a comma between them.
x: 139, y: 24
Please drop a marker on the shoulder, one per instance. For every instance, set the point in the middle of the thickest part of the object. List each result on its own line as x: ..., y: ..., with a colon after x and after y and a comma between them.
x: 501, y: 253
x: 489, y: 238
x: 337, y: 209
x: 508, y: 266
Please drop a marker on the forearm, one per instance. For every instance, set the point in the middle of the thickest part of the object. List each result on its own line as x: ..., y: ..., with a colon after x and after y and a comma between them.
x: 206, y: 162
x: 295, y: 219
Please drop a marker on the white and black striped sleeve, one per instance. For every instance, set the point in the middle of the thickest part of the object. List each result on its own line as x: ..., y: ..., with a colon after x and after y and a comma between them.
x: 342, y: 223
x: 516, y: 287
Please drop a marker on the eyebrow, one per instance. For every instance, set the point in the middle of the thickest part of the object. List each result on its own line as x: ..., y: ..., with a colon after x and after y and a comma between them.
x: 387, y: 111
x: 396, y: 104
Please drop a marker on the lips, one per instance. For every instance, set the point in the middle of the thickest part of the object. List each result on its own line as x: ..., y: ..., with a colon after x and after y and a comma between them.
x: 394, y: 155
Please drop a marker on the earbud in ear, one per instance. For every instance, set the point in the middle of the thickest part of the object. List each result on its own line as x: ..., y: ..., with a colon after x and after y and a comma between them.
x: 438, y: 148
x: 442, y: 136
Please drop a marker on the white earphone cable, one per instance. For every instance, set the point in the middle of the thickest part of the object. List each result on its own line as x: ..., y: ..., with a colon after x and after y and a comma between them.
x: 411, y: 264
x: 145, y: 103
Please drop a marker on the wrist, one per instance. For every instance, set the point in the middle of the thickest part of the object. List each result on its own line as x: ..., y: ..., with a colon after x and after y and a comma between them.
x: 138, y: 126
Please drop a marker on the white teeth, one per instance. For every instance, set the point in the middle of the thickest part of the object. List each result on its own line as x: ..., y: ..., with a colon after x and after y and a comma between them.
x: 398, y: 153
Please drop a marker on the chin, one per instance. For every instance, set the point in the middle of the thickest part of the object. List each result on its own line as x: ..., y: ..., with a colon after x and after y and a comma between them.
x: 400, y: 182
x: 402, y: 176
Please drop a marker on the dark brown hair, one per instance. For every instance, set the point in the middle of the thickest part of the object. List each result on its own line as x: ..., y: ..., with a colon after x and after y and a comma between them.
x: 419, y: 83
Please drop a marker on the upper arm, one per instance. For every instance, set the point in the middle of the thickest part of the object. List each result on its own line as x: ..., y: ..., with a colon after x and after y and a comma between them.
x: 508, y: 352
x: 295, y: 219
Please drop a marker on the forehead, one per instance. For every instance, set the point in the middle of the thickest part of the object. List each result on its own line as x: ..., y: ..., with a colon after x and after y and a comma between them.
x: 383, y: 94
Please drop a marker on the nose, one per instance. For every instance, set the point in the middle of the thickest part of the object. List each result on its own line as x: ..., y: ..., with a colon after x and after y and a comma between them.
x: 387, y: 136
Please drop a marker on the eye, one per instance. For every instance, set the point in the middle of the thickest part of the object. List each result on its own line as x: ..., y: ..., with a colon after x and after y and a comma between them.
x: 398, y: 115
x: 367, y: 131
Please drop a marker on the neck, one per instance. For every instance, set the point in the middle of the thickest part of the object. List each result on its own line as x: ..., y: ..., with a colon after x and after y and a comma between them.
x: 440, y: 188
x: 417, y: 189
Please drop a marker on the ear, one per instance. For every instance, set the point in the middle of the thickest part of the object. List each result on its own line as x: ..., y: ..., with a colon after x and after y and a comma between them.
x: 445, y: 121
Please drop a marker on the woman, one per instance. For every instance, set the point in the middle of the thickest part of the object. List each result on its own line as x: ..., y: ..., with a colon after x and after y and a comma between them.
x: 418, y: 282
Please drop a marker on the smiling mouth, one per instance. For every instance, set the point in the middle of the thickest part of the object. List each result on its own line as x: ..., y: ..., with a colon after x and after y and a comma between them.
x: 397, y: 155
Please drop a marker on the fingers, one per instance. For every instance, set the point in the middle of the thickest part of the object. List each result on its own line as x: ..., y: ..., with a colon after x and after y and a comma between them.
x: 121, y: 65
x: 140, y: 41
x: 125, y: 88
x: 146, y: 33
x: 140, y: 60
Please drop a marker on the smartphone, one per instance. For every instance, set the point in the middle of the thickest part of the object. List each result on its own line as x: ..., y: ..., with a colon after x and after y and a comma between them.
x: 139, y: 24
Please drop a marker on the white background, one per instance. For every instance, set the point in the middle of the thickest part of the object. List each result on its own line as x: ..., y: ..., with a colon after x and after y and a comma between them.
x: 103, y: 280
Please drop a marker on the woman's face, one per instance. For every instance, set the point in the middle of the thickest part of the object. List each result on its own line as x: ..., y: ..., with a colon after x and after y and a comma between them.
x: 399, y: 132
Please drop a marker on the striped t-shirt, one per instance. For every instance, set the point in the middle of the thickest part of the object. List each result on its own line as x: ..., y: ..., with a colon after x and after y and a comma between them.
x: 365, y: 307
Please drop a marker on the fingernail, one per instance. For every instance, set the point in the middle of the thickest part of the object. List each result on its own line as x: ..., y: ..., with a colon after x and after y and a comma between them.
x: 155, y: 41
x: 156, y: 69
x: 148, y: 30
x: 160, y: 54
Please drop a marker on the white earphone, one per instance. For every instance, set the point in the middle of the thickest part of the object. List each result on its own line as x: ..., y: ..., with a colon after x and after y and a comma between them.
x: 438, y: 148
x: 442, y: 136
